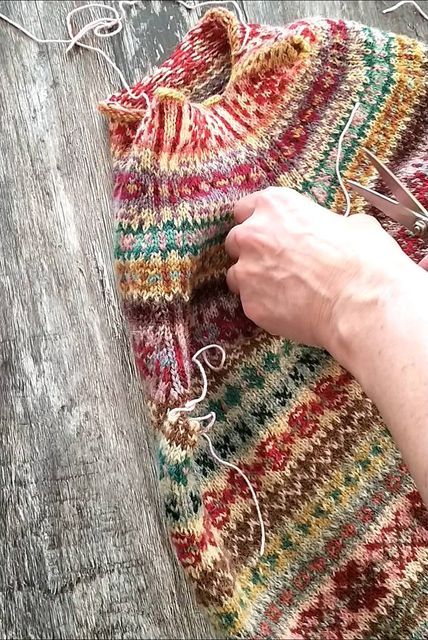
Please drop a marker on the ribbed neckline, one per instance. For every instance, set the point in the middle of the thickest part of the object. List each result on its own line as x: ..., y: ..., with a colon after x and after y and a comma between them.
x: 218, y: 40
x: 218, y: 29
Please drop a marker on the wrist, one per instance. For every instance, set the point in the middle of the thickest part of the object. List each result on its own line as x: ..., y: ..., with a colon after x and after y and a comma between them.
x: 367, y: 318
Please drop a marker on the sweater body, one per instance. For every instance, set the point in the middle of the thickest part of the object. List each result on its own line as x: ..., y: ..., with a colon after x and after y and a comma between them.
x: 236, y: 109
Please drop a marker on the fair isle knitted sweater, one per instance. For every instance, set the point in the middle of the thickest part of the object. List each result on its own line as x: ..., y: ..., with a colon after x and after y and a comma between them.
x: 233, y: 110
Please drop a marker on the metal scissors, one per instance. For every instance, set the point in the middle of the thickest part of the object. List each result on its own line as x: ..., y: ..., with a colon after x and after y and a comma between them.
x: 406, y: 209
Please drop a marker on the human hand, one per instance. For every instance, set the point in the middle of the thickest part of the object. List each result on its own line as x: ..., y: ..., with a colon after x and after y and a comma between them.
x: 305, y: 273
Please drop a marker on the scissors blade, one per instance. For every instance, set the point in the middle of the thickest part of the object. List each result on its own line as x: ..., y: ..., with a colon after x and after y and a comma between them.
x: 394, y: 210
x: 403, y: 195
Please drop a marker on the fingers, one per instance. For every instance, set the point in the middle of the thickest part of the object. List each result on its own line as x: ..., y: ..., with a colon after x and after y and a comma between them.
x: 231, y: 244
x: 232, y: 280
x: 245, y: 207
x: 280, y: 197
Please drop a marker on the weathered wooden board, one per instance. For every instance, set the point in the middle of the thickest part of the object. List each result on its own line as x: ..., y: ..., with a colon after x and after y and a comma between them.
x: 84, y: 552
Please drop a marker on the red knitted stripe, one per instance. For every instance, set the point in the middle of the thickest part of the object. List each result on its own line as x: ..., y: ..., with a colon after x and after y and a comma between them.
x: 273, y: 453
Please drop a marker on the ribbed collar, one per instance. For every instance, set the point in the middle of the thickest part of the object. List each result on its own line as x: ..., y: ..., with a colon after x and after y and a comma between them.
x: 210, y: 92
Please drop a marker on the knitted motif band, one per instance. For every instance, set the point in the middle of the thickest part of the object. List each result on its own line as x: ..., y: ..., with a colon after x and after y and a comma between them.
x: 347, y: 535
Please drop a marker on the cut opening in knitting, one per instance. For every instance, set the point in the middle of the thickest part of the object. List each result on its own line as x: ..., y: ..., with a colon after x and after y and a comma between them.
x: 214, y: 47
x: 208, y: 67
x: 203, y: 68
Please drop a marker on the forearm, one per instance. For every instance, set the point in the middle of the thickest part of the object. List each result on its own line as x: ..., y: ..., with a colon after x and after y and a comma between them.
x: 384, y: 343
x: 312, y: 276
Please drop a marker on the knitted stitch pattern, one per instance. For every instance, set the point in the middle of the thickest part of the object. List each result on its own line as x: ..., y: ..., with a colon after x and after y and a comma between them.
x: 233, y: 110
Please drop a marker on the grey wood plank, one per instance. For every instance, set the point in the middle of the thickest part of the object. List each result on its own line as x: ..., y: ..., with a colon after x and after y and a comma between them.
x: 84, y: 551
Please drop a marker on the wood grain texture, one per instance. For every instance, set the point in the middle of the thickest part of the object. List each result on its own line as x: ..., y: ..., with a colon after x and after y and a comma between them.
x: 84, y: 551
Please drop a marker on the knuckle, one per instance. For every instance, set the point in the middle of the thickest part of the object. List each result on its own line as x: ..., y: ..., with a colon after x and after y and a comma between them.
x: 240, y: 270
x: 270, y: 193
x: 251, y: 310
x: 282, y: 192
x: 243, y: 234
x: 247, y: 306
x: 271, y: 190
x: 365, y: 220
x: 238, y: 236
x: 232, y: 236
x: 279, y: 199
x: 232, y: 279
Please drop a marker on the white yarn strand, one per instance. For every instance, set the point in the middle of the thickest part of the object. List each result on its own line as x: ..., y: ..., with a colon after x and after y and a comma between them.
x: 103, y: 27
x: 249, y: 485
x: 403, y: 2
x: 211, y: 417
x: 191, y: 404
x: 29, y: 35
x: 338, y: 159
